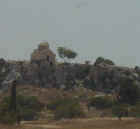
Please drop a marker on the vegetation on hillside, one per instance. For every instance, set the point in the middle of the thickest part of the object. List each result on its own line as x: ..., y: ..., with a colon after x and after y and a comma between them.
x: 27, y: 108
x: 124, y: 101
x: 66, y: 108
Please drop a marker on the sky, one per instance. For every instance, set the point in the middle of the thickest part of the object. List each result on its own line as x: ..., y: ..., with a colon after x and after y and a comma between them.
x: 92, y: 28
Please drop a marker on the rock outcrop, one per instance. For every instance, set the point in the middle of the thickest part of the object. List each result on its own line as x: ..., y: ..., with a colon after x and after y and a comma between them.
x: 42, y: 71
x: 109, y: 77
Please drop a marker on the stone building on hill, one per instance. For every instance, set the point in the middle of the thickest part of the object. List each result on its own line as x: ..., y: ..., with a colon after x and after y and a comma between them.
x: 43, y: 53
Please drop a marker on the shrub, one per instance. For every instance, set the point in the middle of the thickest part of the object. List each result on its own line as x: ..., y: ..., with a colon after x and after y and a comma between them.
x: 53, y: 105
x: 30, y: 114
x: 126, y: 110
x: 129, y: 92
x: 66, y: 108
x: 28, y: 108
x: 134, y: 111
x: 120, y: 110
x: 8, y: 117
x: 103, y: 60
x: 101, y: 102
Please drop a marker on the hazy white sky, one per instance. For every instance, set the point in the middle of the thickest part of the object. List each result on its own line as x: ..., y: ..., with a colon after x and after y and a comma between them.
x: 108, y: 28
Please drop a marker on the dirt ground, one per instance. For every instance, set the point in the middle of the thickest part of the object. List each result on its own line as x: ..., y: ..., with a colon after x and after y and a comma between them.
x: 106, y: 123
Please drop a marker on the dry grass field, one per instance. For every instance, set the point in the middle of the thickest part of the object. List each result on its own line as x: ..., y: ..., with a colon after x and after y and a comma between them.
x: 47, y: 95
x: 80, y: 124
x: 101, y: 124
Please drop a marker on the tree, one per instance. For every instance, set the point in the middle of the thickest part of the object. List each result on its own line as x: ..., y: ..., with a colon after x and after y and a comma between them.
x: 103, y: 60
x: 65, y: 53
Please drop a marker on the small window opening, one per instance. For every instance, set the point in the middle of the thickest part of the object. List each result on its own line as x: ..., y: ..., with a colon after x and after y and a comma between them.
x: 51, y: 63
x: 48, y: 58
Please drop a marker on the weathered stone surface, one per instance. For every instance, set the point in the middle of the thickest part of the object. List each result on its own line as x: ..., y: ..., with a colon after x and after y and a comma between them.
x: 108, y: 77
x: 102, y: 77
x: 43, y: 53
x: 43, y: 72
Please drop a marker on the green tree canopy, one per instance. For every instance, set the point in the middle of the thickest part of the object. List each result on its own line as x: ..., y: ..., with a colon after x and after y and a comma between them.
x: 103, y: 60
x: 66, y: 53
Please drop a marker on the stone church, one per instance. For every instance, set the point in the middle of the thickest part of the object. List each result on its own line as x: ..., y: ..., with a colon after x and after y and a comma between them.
x: 43, y: 53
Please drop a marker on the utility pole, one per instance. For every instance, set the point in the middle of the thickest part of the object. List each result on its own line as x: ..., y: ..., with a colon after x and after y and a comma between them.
x: 12, y: 106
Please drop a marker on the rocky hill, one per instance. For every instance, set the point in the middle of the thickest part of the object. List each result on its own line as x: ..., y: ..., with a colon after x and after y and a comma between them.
x: 42, y: 70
